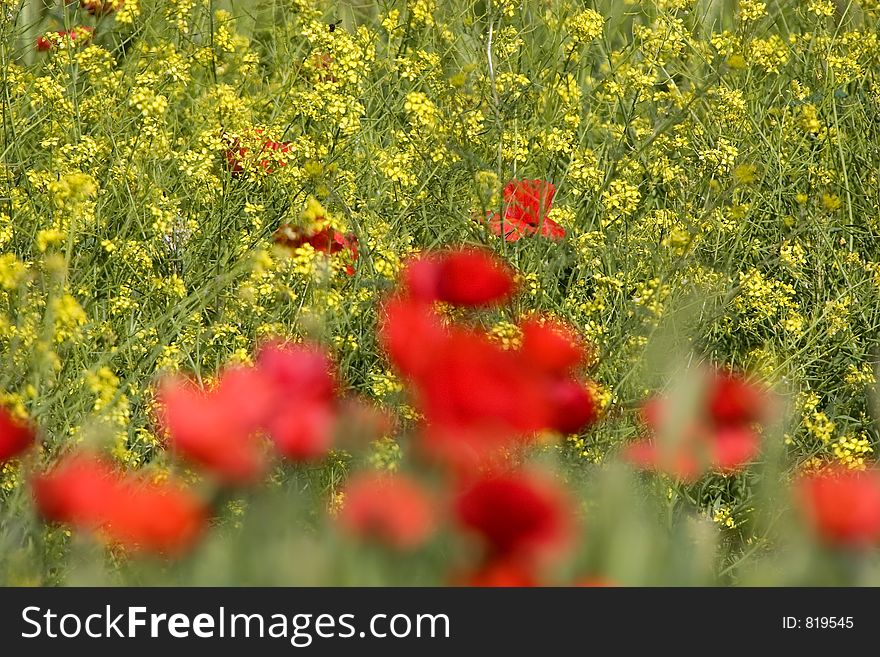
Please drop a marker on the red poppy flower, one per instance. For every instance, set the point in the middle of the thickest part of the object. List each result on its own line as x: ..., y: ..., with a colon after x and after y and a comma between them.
x: 477, y: 398
x: 391, y: 509
x: 82, y: 33
x: 101, y: 7
x: 842, y: 506
x: 724, y: 449
x: 324, y: 240
x: 734, y: 401
x: 473, y: 382
x: 16, y: 436
x: 216, y: 428
x: 464, y: 277
x: 303, y: 415
x: 572, y: 405
x: 526, y: 204
x: 516, y: 515
x: 238, y: 154
x: 720, y: 436
x: 552, y: 346
x: 466, y: 450
x: 297, y: 370
x: 91, y: 495
x: 410, y: 332
x: 499, y: 574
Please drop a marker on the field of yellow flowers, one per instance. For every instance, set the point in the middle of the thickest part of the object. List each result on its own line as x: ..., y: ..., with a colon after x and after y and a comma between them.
x: 482, y: 292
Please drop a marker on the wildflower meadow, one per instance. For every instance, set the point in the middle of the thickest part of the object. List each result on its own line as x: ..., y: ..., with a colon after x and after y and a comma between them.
x: 439, y: 292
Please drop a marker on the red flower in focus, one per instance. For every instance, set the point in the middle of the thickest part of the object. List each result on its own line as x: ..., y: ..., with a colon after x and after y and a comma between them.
x: 517, y: 516
x: 91, y: 495
x: 323, y: 239
x: 721, y: 436
x: 101, y: 7
x: 216, y: 428
x: 16, y: 436
x: 464, y: 277
x: 526, y: 204
x: 391, y: 509
x: 303, y: 417
x: 842, y: 506
x: 237, y: 155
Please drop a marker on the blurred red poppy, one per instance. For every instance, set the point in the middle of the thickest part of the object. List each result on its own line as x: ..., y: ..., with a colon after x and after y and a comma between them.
x: 572, y: 405
x: 516, y: 515
x: 90, y: 494
x: 734, y: 401
x: 478, y: 398
x: 526, y: 204
x: 216, y: 428
x: 697, y: 451
x: 842, y: 506
x: 473, y: 382
x: 552, y: 345
x: 409, y: 332
x: 719, y: 436
x: 464, y: 277
x: 16, y: 436
x: 391, y: 509
x: 303, y: 415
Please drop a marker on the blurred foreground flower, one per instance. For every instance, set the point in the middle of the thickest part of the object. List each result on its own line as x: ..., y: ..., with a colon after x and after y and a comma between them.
x: 478, y: 398
x: 289, y: 396
x: 842, y: 505
x: 718, y: 434
x: 391, y: 509
x: 526, y: 205
x: 303, y: 414
x: 16, y: 436
x: 90, y: 495
x: 467, y: 277
x: 216, y: 428
x: 521, y: 518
